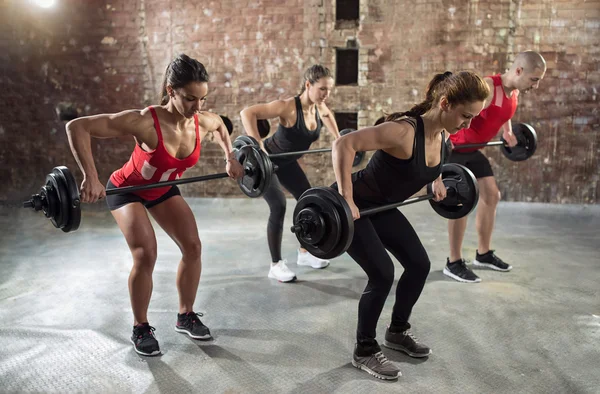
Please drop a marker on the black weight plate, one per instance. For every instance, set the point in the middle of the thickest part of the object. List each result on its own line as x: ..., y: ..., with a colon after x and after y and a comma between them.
x: 346, y: 221
x: 319, y: 202
x: 55, y: 185
x: 527, y: 143
x: 464, y: 193
x: 258, y: 171
x: 74, y: 216
x: 244, y: 140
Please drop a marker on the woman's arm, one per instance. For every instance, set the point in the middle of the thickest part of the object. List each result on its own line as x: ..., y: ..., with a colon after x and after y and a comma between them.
x: 214, y: 124
x: 388, y: 135
x: 79, y: 133
x: 250, y: 116
x: 329, y: 121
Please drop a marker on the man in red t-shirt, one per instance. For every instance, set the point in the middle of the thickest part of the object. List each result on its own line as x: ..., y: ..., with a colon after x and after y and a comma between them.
x: 525, y: 74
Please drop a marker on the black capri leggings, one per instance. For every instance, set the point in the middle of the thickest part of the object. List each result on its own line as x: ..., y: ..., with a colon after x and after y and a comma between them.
x: 372, y: 236
x: 290, y: 176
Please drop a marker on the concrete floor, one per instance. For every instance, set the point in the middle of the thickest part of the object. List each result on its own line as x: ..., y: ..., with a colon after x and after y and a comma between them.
x: 65, y: 318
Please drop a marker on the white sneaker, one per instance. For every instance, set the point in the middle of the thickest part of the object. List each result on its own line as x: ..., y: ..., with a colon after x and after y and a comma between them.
x: 305, y: 258
x: 281, y: 272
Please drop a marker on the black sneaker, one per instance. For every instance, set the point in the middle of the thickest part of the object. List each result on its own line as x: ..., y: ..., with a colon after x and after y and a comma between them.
x: 406, y: 342
x: 144, y: 341
x: 189, y: 323
x: 490, y: 260
x: 459, y: 271
x: 372, y: 360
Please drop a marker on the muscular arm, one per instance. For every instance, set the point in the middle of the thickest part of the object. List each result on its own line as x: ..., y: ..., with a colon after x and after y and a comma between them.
x: 80, y: 130
x: 250, y: 116
x: 388, y: 135
x: 329, y: 121
x: 214, y: 124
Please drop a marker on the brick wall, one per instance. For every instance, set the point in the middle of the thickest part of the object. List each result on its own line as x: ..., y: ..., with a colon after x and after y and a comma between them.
x: 105, y: 56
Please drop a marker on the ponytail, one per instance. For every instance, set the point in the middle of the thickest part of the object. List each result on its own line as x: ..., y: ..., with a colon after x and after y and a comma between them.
x: 430, y: 98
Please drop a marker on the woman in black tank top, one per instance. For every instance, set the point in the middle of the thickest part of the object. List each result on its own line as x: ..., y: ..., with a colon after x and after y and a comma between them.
x: 300, y: 121
x: 410, y: 150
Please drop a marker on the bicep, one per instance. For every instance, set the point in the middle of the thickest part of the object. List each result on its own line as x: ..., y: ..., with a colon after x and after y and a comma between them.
x: 329, y: 120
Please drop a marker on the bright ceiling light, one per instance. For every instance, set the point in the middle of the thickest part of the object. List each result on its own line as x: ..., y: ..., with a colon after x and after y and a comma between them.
x: 44, y: 3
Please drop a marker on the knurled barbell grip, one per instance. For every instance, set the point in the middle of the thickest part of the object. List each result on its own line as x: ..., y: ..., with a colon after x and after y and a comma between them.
x: 371, y: 211
x: 181, y: 181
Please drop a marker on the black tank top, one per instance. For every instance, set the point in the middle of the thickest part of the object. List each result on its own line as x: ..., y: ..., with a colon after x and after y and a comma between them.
x: 295, y: 138
x: 387, y: 179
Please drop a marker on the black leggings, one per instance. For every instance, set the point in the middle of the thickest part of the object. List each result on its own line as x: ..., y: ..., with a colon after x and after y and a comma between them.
x: 372, y: 236
x: 294, y: 180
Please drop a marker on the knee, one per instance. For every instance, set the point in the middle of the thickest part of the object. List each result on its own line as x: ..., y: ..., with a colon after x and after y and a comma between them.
x: 382, y: 281
x: 490, y: 197
x: 421, y: 271
x: 192, y: 250
x: 278, y: 210
x: 144, y: 257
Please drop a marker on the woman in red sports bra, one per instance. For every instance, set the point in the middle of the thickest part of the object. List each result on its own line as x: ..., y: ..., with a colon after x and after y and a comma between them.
x: 168, y: 141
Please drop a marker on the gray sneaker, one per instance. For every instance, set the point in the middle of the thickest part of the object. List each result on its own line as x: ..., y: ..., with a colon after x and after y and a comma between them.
x: 374, y: 362
x: 406, y: 342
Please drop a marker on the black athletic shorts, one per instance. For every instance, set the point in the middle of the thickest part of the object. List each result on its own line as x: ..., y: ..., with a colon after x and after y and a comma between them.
x: 116, y: 201
x: 474, y: 161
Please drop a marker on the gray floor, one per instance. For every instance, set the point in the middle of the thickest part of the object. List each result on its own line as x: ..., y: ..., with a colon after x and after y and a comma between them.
x: 65, y: 317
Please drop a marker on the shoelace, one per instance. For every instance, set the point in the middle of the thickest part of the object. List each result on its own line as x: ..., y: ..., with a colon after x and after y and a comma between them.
x: 410, y: 334
x: 147, y: 333
x: 283, y: 266
x: 192, y: 316
x: 381, y: 358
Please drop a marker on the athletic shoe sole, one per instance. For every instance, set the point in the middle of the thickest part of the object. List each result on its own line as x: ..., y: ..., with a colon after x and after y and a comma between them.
x: 373, y: 373
x: 279, y: 280
x: 184, y: 331
x: 491, y: 266
x: 318, y: 267
x: 405, y: 350
x: 154, y: 353
x: 458, y: 278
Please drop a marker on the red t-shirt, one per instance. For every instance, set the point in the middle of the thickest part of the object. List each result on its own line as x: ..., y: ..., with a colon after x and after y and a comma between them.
x: 155, y: 166
x: 486, y: 125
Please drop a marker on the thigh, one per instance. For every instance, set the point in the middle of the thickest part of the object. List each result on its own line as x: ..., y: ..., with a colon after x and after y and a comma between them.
x: 293, y: 179
x: 400, y: 238
x: 369, y: 252
x: 135, y: 225
x: 175, y: 216
x: 476, y: 161
x: 116, y: 201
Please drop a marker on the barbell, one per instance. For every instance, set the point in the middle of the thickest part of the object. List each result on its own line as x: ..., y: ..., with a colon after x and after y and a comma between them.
x: 60, y: 202
x: 248, y: 140
x: 525, y: 148
x: 323, y: 222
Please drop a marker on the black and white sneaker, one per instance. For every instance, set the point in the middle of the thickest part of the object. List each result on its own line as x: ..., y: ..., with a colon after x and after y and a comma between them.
x: 143, y: 340
x: 459, y: 271
x: 189, y: 323
x: 490, y: 260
